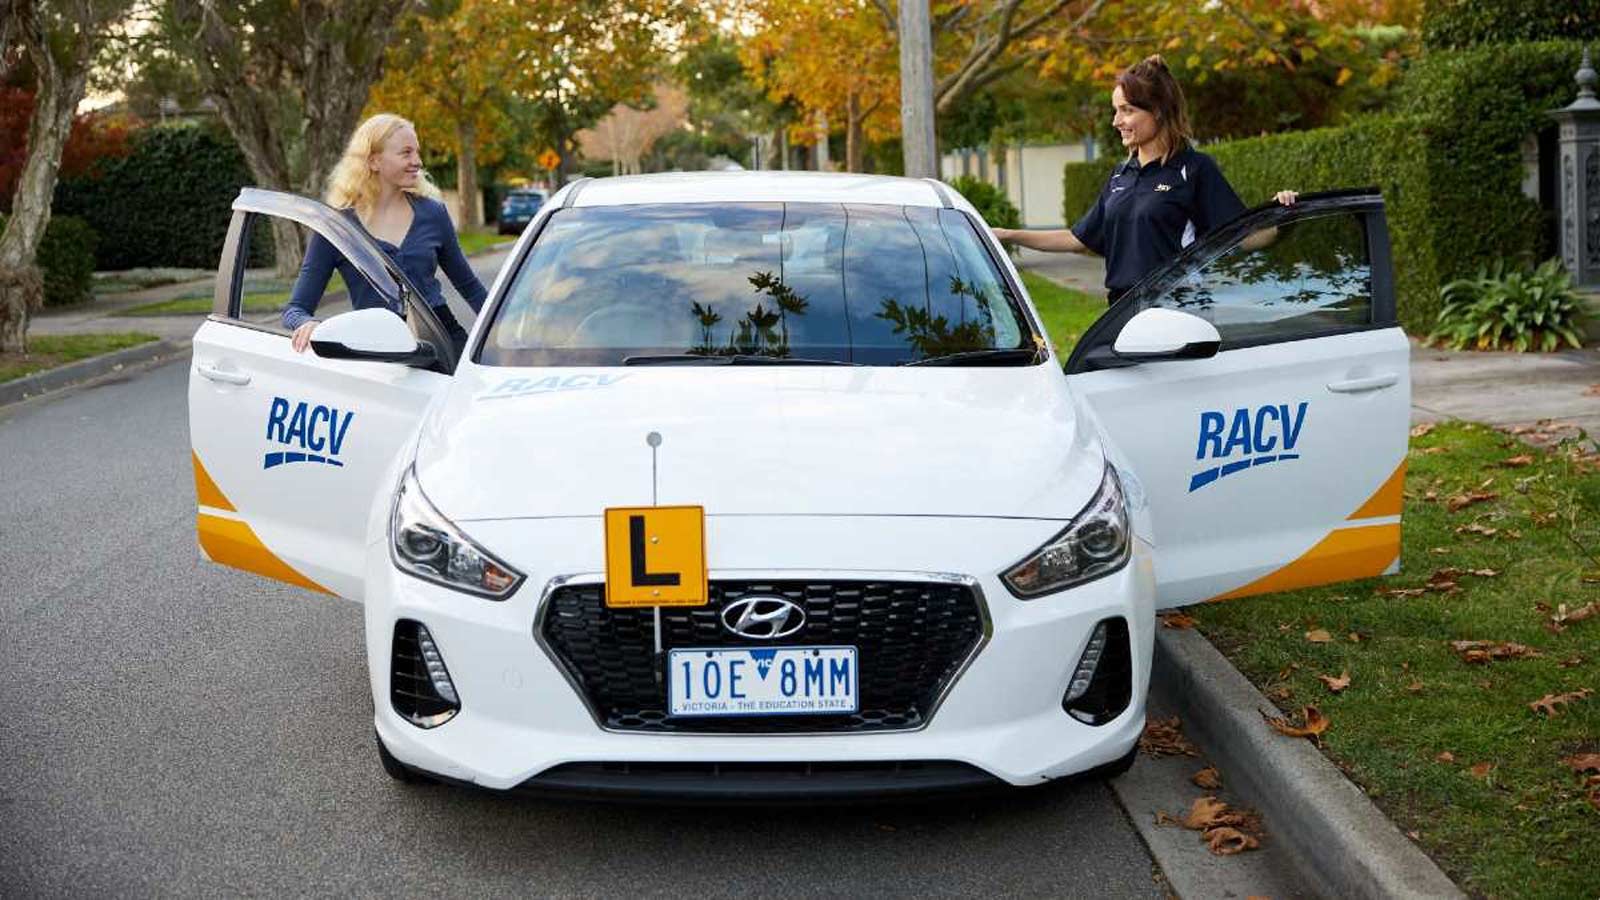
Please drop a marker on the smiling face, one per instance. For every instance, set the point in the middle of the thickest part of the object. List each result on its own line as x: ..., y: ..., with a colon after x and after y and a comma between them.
x: 399, y: 163
x: 1136, y: 126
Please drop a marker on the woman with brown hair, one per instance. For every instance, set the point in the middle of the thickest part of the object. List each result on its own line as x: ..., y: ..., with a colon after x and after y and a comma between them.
x: 1161, y: 199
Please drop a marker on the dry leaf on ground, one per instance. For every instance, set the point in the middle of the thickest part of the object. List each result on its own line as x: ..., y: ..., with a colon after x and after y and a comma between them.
x: 1336, y: 685
x: 1225, y: 841
x: 1483, y: 573
x: 1355, y: 637
x: 1583, y: 762
x: 1402, y: 592
x: 1429, y: 451
x: 1414, y: 687
x: 1422, y: 430
x: 1462, y: 501
x: 1319, y: 636
x: 1446, y: 757
x: 1592, y: 390
x: 1177, y: 620
x: 1164, y: 737
x: 1207, y: 779
x: 1477, y: 528
x: 1314, y: 724
x: 1481, y: 770
x: 1207, y: 812
x: 1571, y: 662
x: 1564, y: 617
x: 1517, y: 462
x: 1483, y: 651
x: 1550, y: 704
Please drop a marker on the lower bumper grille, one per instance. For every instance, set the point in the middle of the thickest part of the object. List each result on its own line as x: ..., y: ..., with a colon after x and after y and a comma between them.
x: 761, y: 782
x: 912, y: 639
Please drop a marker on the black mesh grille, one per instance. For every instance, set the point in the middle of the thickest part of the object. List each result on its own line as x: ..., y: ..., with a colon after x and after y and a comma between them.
x: 911, y: 640
x: 410, y: 689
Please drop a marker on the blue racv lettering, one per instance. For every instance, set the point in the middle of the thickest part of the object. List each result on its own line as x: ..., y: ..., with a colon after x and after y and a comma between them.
x: 1256, y: 436
x: 307, y: 427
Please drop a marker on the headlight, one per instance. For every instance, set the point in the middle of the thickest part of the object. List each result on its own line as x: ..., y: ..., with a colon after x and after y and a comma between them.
x: 426, y: 544
x: 1096, y: 543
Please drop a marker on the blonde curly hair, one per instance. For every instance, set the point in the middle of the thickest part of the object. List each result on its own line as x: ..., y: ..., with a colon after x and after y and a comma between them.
x: 352, y: 183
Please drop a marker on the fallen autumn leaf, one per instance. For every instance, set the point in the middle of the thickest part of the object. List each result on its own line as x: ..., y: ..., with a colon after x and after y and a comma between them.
x: 1335, y: 685
x: 1177, y: 620
x: 1164, y: 737
x: 1483, y: 651
x: 1207, y: 779
x: 1315, y: 723
x: 1226, y: 841
x: 1550, y: 704
x: 1319, y: 636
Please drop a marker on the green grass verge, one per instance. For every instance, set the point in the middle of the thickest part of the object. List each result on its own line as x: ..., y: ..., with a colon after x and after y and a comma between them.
x: 199, y: 304
x: 1526, y: 826
x: 477, y: 239
x: 49, y: 351
x: 1066, y: 313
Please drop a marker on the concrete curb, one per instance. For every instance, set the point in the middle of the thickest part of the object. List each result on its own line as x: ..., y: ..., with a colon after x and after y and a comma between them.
x: 1343, y: 843
x: 50, y: 380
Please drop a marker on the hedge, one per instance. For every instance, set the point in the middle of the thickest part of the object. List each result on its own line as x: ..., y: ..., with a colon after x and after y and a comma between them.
x: 1454, y: 24
x: 1448, y: 160
x: 167, y: 203
x: 66, y: 257
x: 1083, y: 183
x: 991, y: 202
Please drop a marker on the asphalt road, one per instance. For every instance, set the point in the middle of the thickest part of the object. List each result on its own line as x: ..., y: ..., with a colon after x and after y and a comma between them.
x: 173, y: 727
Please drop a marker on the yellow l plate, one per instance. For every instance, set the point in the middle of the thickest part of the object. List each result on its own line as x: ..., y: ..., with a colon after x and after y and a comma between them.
x: 656, y: 556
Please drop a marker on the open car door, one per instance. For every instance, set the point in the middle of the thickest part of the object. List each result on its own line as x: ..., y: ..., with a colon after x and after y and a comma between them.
x: 291, y: 449
x: 1278, y: 462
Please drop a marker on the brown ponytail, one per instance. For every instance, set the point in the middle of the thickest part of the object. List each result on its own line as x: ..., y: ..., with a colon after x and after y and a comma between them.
x: 1149, y: 85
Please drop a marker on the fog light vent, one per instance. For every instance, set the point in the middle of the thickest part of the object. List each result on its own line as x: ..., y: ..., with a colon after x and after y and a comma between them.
x: 419, y: 684
x: 1102, y: 683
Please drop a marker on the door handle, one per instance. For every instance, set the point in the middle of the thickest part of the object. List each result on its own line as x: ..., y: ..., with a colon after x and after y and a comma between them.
x: 222, y: 375
x: 1370, y: 383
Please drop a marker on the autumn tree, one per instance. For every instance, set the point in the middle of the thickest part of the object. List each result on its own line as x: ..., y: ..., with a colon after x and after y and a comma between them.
x: 290, y: 79
x: 59, y: 40
x: 626, y: 133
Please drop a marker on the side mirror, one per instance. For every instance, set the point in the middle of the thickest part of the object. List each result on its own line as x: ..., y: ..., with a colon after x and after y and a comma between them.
x: 373, y: 335
x: 1157, y: 334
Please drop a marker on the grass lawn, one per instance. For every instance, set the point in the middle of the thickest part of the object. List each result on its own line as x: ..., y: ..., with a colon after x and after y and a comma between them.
x: 1067, y: 313
x: 198, y: 304
x: 49, y: 351
x: 476, y: 239
x: 1451, y: 750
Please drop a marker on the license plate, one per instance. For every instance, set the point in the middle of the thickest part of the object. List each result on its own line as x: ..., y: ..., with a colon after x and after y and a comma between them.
x: 762, y: 681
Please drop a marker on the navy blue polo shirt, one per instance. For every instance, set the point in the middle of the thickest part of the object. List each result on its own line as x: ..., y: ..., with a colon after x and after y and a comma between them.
x: 1146, y: 214
x: 428, y: 246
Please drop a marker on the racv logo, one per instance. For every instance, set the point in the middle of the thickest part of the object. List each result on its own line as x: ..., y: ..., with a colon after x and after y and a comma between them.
x: 522, y: 387
x: 315, y: 433
x: 1250, y: 437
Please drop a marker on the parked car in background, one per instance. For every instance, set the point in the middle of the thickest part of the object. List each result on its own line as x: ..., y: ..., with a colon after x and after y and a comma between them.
x: 518, y: 209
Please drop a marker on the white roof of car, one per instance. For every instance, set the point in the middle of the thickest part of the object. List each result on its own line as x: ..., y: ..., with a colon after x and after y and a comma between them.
x: 762, y: 187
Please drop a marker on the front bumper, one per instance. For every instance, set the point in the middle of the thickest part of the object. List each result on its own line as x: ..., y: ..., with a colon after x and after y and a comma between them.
x: 523, y: 724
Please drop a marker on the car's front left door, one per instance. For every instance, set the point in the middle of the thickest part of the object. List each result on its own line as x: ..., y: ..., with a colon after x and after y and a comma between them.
x: 290, y: 450
x: 1278, y: 462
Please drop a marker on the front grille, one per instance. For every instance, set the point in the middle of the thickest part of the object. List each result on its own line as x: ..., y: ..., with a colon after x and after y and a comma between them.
x: 911, y: 640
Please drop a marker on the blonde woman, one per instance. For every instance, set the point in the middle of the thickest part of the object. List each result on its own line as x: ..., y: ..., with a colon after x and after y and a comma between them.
x: 380, y: 183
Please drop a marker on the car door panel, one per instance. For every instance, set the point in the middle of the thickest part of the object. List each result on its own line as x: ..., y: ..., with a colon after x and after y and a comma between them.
x: 1274, y: 464
x: 290, y: 451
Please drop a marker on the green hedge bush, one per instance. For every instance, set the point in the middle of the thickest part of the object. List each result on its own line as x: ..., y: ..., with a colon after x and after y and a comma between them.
x: 991, y: 202
x: 1453, y: 24
x: 1448, y: 160
x: 1083, y: 183
x: 66, y: 257
x: 166, y: 204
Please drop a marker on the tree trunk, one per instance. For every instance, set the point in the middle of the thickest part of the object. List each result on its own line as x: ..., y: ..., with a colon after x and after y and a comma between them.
x: 916, y: 90
x: 467, y: 171
x: 61, y: 82
x: 854, y: 136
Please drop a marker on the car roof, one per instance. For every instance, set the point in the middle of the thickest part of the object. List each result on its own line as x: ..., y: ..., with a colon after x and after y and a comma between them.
x: 759, y: 187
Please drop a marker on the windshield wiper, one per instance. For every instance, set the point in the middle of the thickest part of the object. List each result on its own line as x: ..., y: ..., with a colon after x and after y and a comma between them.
x: 994, y: 357
x: 737, y: 359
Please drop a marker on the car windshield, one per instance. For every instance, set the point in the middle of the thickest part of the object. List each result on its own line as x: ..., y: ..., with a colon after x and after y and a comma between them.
x: 850, y: 283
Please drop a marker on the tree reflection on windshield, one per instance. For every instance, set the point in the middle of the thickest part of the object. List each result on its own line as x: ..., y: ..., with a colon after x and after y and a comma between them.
x: 934, y: 335
x: 752, y: 334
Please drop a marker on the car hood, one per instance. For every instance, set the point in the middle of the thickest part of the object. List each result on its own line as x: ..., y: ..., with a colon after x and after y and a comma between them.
x: 795, y: 440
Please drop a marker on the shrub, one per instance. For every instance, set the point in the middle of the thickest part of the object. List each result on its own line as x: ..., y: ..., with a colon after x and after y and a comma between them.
x: 66, y: 258
x: 1082, y: 185
x: 1453, y: 24
x: 1511, y: 310
x: 991, y: 203
x: 167, y: 203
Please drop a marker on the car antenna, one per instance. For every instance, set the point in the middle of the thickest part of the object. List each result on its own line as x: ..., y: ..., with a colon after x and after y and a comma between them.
x: 654, y: 440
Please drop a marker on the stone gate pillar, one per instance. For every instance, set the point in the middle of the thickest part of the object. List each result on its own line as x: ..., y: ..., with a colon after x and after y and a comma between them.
x: 1579, y: 179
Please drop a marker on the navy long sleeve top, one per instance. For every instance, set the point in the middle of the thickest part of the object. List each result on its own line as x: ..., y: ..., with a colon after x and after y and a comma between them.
x: 428, y: 246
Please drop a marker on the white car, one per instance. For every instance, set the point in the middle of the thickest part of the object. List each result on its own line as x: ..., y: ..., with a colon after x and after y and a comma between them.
x: 771, y: 485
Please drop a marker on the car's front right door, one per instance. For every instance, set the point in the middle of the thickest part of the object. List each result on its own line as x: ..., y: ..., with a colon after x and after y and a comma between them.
x: 1278, y: 462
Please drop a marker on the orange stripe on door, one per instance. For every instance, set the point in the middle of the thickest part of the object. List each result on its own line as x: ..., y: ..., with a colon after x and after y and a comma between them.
x: 233, y: 543
x: 1364, y: 551
x: 1388, y: 499
x: 206, y: 489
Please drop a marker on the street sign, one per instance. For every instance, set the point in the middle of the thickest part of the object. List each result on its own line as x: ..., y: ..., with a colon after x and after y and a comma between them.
x: 549, y: 159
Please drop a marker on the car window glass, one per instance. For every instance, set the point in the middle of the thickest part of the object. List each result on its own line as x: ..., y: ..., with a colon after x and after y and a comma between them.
x: 1314, y: 278
x: 865, y: 283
